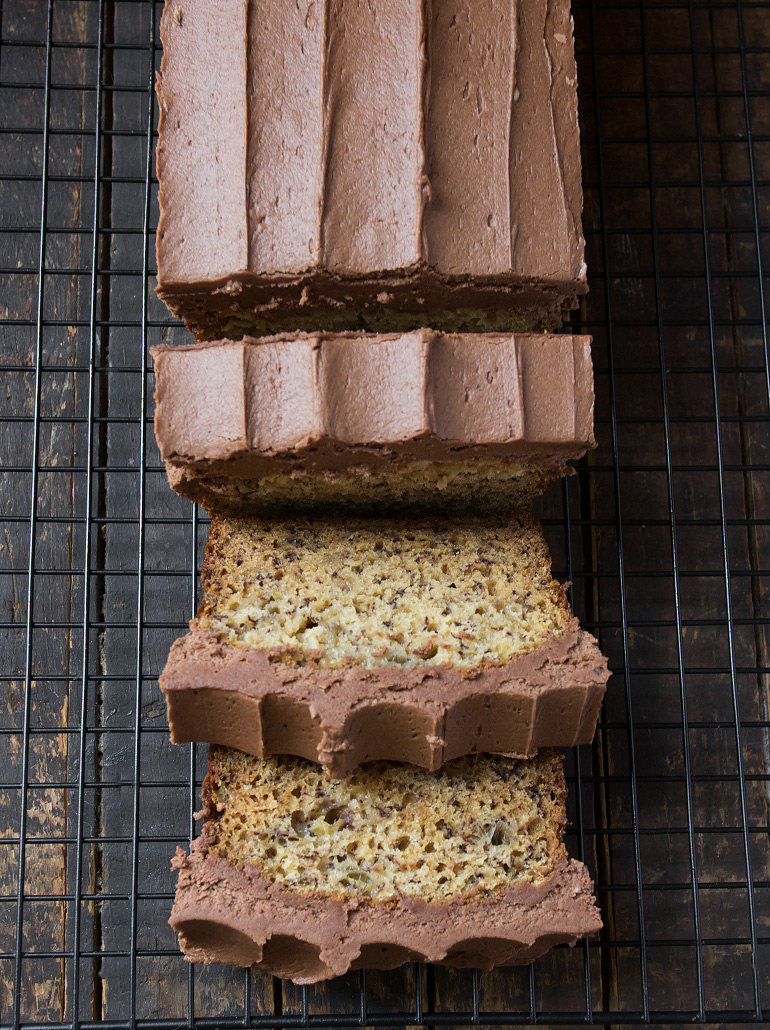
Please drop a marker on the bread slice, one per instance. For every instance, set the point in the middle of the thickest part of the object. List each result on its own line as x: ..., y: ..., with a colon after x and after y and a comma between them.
x: 384, y: 164
x: 419, y: 420
x: 349, y: 640
x: 308, y: 877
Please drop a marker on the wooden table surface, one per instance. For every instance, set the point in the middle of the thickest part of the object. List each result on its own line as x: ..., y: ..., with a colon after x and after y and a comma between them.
x: 663, y: 533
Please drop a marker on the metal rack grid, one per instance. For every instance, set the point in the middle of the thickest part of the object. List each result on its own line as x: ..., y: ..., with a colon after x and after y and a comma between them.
x: 664, y: 535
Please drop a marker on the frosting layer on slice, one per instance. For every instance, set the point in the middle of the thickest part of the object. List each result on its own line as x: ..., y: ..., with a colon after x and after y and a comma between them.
x: 395, y: 159
x: 415, y: 418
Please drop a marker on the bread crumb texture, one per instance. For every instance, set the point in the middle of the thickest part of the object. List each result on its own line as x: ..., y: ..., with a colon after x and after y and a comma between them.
x: 466, y: 591
x: 266, y: 319
x: 480, y: 824
x: 418, y: 486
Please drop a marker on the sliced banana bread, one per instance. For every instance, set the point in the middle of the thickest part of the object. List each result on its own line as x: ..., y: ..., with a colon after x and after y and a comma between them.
x: 349, y: 640
x: 308, y: 877
x: 418, y: 420
x: 385, y: 164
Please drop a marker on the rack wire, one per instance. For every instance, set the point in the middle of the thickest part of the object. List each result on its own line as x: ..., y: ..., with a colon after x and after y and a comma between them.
x: 663, y: 534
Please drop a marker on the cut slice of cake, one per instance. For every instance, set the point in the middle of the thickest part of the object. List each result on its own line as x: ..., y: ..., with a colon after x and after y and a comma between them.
x: 418, y: 420
x: 380, y: 165
x: 308, y: 877
x: 346, y: 640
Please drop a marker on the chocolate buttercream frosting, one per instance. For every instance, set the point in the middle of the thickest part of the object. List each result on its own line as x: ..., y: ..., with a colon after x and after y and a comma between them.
x: 386, y: 164
x: 235, y: 916
x: 230, y: 415
x: 252, y: 700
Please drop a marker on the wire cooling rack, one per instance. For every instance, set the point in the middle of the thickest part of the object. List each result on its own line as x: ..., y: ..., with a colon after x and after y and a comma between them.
x: 663, y: 533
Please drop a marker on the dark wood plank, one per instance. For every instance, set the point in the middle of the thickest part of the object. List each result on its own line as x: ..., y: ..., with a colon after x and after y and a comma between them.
x: 45, y: 991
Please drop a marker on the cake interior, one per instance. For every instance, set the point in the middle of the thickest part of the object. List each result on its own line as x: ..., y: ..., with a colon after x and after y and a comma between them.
x: 236, y: 308
x: 465, y: 590
x: 480, y: 824
x: 379, y: 318
x: 419, y: 486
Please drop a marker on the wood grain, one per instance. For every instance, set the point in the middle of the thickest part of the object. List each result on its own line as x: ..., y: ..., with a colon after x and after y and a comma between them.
x: 44, y: 993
